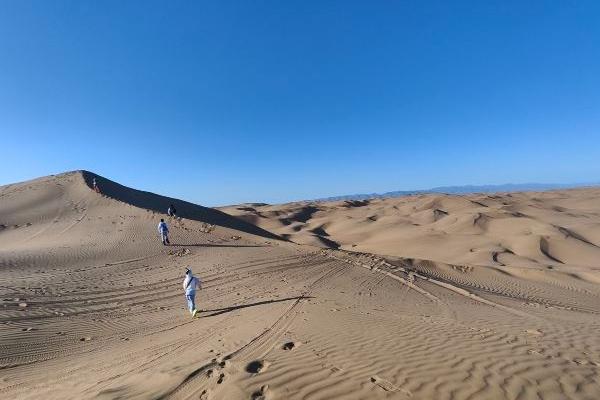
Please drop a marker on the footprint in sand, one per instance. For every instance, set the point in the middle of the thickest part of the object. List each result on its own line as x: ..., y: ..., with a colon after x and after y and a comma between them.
x: 388, y: 386
x: 221, y: 378
x: 262, y: 394
x: 257, y: 366
x: 290, y: 345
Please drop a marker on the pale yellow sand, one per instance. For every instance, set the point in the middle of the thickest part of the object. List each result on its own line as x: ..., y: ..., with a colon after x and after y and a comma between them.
x: 474, y: 297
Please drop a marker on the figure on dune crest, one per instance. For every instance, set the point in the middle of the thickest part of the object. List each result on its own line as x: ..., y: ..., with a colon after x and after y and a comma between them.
x: 190, y: 284
x: 95, y: 186
x: 171, y: 212
x: 163, y: 231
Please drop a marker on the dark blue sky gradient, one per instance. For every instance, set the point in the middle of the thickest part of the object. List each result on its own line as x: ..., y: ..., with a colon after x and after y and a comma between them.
x: 224, y: 102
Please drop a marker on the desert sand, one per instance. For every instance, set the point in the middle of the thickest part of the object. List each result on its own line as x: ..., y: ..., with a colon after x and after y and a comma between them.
x: 419, y: 297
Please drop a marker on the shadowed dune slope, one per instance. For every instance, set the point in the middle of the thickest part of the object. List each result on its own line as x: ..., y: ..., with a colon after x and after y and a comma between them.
x: 158, y: 203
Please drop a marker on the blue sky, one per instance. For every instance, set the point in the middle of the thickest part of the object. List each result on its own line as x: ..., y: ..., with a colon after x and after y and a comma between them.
x: 224, y: 102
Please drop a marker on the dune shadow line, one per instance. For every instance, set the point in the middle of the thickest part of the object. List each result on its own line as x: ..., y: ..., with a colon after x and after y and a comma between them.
x: 215, y: 245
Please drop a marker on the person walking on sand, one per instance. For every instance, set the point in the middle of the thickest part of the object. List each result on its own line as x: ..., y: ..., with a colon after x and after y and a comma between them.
x: 171, y: 211
x: 190, y: 284
x: 163, y: 231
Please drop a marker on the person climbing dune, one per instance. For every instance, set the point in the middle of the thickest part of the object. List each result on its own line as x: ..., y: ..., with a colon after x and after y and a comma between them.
x: 172, y: 211
x: 190, y: 284
x: 163, y: 231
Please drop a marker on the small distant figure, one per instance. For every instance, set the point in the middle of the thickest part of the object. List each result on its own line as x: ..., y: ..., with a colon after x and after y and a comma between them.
x: 163, y: 230
x: 95, y: 185
x: 190, y: 284
x: 171, y: 212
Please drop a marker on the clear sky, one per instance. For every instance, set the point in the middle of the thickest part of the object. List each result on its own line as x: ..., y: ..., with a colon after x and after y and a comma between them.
x: 221, y: 102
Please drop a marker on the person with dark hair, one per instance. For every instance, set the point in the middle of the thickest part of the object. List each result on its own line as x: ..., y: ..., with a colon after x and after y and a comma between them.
x: 190, y: 284
x: 171, y: 212
x: 163, y: 231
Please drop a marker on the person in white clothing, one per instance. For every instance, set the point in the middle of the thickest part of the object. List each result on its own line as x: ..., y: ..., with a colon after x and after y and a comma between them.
x: 171, y: 211
x: 95, y: 186
x: 190, y: 284
x: 163, y: 231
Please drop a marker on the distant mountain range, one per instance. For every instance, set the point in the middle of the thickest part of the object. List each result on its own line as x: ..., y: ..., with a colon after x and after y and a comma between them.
x: 508, y: 187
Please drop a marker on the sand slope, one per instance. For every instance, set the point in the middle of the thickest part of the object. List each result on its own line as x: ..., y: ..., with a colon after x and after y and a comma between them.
x: 92, y: 305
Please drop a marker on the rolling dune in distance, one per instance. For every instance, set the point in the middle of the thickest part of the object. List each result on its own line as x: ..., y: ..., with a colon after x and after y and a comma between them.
x: 419, y: 297
x: 544, y: 230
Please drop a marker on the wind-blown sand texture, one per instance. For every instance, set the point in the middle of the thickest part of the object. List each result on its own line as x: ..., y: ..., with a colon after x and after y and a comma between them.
x: 424, y: 297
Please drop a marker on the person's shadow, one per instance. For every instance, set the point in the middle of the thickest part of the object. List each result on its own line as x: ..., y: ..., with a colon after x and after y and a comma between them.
x: 215, y: 245
x: 219, y: 311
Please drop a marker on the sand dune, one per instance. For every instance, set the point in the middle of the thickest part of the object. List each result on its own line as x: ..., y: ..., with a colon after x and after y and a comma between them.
x: 540, y: 230
x: 423, y: 297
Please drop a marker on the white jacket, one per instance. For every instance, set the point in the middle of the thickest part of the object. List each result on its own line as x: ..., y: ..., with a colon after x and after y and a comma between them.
x: 162, y: 227
x: 191, y: 283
